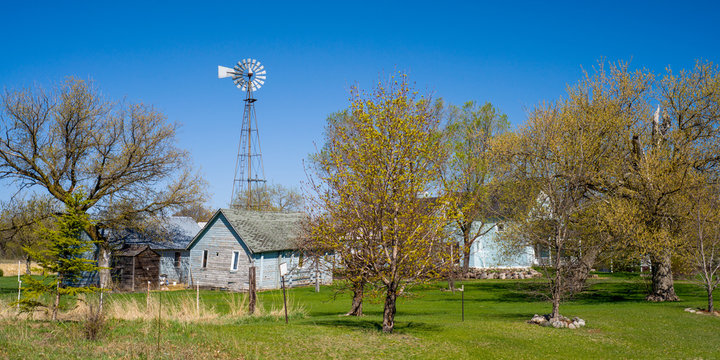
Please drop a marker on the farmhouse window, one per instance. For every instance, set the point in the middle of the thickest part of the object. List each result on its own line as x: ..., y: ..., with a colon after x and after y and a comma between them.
x: 500, y: 227
x: 235, y: 259
x: 204, y: 259
x: 177, y: 259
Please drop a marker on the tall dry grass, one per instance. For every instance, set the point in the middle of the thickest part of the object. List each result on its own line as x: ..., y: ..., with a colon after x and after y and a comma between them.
x: 10, y: 268
x: 182, y: 309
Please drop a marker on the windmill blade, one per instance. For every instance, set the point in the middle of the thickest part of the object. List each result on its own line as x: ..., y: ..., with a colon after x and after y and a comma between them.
x: 260, y: 76
x: 262, y: 72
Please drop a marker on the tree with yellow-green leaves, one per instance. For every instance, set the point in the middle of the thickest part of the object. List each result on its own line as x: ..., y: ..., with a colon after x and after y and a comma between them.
x: 470, y: 170
x: 371, y: 182
x: 565, y: 153
x: 671, y: 152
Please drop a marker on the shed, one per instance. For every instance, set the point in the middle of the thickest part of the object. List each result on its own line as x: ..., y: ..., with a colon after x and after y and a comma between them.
x: 234, y: 240
x: 168, y: 237
x: 135, y: 266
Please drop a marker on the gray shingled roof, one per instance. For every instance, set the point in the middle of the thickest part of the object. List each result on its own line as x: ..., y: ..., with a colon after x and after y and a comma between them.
x: 264, y: 231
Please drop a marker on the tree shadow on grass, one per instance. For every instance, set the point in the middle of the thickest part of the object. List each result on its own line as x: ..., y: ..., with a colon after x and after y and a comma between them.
x: 368, y: 324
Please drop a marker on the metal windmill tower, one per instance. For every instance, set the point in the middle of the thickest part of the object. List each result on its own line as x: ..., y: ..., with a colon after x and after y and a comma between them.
x: 248, y: 75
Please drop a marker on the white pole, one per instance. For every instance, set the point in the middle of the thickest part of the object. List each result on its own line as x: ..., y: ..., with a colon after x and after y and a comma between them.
x: 19, y: 287
x: 197, y: 299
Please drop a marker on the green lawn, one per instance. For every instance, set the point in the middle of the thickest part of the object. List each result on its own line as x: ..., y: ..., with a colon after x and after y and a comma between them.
x: 428, y: 325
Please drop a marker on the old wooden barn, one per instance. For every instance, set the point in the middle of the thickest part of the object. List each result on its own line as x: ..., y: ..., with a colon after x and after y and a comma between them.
x: 234, y: 240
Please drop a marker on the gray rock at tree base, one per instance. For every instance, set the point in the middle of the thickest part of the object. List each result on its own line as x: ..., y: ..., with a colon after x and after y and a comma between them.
x: 501, y: 276
x: 537, y: 319
x: 571, y: 326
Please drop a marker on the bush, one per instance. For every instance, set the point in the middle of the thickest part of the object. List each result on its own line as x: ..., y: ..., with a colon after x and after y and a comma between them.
x: 1, y: 273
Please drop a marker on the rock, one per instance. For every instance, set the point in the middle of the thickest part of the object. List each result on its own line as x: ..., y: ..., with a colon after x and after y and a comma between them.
x: 537, y: 319
x: 558, y: 324
x: 501, y: 276
x: 483, y: 275
x: 690, y: 310
x: 571, y: 326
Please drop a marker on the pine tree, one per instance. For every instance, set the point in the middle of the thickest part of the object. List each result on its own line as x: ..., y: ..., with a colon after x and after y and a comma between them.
x: 61, y: 254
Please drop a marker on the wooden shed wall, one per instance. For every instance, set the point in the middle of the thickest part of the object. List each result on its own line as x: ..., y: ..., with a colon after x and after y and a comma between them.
x: 147, y: 268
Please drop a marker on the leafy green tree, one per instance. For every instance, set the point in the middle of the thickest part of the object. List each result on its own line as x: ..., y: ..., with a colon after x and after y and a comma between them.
x: 64, y: 245
x: 566, y: 152
x: 470, y: 170
x: 370, y: 181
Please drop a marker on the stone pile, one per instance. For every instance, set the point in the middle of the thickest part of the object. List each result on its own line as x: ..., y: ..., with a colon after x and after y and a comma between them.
x: 561, y: 322
x: 502, y: 274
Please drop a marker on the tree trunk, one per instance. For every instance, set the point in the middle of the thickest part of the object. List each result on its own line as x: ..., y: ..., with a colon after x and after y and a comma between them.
x: 56, y: 304
x: 578, y: 273
x: 389, y: 310
x: 28, y: 262
x: 662, y: 280
x: 466, y: 261
x: 467, y: 245
x: 356, y: 308
x: 711, y: 308
x: 556, y: 307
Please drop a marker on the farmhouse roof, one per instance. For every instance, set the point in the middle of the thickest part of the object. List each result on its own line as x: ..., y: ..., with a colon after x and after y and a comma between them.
x: 261, y: 231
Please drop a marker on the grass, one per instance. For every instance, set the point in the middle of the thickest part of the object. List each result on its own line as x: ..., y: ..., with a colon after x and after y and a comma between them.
x: 428, y: 326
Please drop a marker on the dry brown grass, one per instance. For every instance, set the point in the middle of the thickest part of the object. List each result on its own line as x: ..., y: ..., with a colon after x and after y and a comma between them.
x: 183, y: 309
x: 10, y: 268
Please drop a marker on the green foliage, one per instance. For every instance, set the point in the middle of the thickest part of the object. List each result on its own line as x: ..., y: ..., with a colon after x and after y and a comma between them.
x: 63, y: 246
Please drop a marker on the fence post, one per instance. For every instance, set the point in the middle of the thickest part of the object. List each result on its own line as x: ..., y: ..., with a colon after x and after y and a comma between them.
x: 252, y: 290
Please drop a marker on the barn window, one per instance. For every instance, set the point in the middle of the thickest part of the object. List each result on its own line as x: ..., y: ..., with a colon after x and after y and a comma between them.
x: 204, y: 259
x: 235, y: 259
x: 177, y: 259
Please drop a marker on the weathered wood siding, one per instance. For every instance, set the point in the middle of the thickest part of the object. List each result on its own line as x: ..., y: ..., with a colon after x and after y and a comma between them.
x: 220, y: 242
x: 179, y: 274
x: 268, y: 270
x: 147, y: 269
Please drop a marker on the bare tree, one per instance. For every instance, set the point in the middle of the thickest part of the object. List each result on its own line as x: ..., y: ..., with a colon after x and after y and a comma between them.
x: 703, y: 239
x: 123, y: 156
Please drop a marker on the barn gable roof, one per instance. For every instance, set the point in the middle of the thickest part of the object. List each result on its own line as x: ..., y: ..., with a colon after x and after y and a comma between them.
x: 133, y: 250
x: 261, y: 231
x: 170, y: 233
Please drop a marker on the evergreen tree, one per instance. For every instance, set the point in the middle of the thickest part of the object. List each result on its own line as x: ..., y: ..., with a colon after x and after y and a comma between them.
x: 61, y: 253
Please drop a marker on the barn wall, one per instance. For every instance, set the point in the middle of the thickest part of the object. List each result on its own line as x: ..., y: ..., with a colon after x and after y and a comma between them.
x: 220, y: 242
x: 167, y: 266
x: 268, y: 270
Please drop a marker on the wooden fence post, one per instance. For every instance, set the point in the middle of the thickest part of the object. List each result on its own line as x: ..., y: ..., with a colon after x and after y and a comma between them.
x: 252, y: 290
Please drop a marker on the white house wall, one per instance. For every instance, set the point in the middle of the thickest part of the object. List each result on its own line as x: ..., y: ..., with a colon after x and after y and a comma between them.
x: 486, y: 251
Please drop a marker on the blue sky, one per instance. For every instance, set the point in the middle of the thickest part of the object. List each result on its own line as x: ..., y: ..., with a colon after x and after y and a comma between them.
x: 513, y: 54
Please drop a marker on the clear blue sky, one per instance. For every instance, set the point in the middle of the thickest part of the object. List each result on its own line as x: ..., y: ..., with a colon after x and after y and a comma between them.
x: 513, y: 54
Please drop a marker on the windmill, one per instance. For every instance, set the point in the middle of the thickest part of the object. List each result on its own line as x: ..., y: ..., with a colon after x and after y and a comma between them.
x: 248, y: 75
